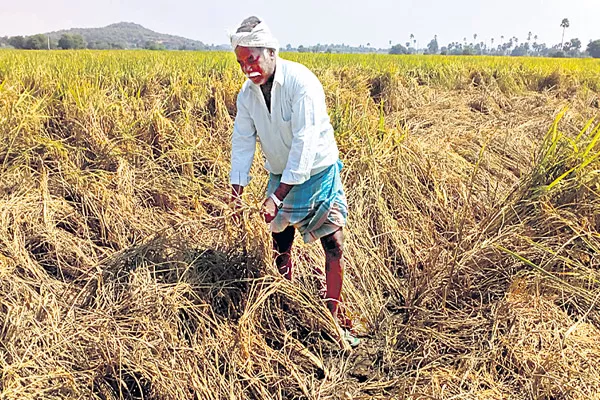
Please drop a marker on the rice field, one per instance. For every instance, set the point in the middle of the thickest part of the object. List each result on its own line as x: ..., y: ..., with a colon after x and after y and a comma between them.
x: 472, y: 246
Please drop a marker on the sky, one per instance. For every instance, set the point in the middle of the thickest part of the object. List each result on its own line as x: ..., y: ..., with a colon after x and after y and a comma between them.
x: 308, y: 22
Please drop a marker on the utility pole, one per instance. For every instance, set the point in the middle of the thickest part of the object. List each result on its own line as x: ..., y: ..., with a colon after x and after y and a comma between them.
x: 48, y: 42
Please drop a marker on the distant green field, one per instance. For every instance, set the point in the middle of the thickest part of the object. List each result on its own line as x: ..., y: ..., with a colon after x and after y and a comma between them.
x: 511, y: 73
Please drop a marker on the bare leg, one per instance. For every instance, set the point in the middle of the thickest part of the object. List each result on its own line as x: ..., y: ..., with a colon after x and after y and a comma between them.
x: 334, y: 269
x: 282, y: 244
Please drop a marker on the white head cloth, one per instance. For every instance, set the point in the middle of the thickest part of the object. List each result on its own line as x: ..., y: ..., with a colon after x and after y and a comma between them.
x: 260, y: 36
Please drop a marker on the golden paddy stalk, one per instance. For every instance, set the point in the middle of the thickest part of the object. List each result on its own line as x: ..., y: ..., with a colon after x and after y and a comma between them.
x: 472, y: 243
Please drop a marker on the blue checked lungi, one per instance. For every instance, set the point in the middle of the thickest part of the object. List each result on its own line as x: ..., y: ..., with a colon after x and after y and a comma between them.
x: 316, y: 208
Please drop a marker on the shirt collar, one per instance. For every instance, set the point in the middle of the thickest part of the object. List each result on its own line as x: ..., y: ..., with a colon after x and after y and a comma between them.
x: 279, y: 75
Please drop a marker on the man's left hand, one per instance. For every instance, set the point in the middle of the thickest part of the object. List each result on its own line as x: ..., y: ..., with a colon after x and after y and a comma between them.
x: 269, y: 210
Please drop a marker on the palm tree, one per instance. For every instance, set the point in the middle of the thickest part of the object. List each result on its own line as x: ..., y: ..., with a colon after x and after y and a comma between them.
x: 564, y: 24
x: 474, y: 37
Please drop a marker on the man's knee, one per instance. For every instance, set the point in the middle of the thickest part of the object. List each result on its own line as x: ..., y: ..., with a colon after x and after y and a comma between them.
x: 283, y: 241
x: 334, y: 244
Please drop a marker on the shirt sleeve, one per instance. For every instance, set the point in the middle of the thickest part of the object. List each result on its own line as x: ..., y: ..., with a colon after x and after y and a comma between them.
x: 304, y: 139
x: 243, y: 146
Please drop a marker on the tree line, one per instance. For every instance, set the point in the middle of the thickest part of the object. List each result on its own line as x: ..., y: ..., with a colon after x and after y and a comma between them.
x: 506, y: 47
x: 510, y: 47
x: 68, y: 42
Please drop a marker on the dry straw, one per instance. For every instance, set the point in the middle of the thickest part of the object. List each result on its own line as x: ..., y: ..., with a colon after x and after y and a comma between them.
x: 472, y: 245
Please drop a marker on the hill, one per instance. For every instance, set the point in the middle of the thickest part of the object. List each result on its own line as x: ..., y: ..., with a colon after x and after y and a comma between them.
x: 128, y: 35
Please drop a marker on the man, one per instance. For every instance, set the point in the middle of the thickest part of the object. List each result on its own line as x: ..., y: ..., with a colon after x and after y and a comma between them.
x: 282, y: 105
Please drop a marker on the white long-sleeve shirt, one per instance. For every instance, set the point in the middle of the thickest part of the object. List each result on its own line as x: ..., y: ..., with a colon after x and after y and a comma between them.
x: 296, y: 136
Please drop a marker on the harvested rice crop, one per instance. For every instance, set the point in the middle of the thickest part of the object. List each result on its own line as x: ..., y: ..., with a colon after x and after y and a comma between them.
x: 473, y: 243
